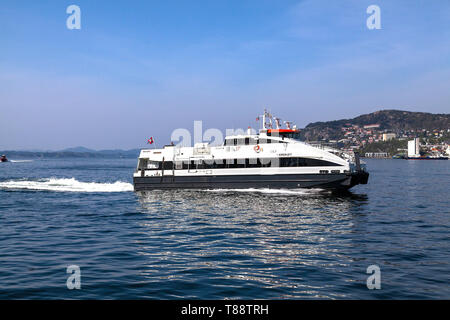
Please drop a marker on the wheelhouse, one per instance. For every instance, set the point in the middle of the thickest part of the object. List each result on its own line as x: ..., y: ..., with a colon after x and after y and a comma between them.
x: 284, y: 133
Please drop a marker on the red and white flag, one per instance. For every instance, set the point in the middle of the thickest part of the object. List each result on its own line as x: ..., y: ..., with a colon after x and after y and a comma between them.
x: 150, y: 141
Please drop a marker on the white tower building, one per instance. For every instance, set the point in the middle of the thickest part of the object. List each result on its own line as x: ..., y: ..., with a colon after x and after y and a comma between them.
x: 414, y: 148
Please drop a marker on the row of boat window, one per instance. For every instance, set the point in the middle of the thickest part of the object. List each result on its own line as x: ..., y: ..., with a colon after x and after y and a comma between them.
x: 235, y: 163
x: 249, y: 141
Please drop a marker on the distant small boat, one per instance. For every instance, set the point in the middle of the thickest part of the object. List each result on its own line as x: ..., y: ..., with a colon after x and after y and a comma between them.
x: 3, y: 158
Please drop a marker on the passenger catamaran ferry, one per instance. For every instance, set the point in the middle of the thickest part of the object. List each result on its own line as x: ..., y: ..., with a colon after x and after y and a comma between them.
x: 272, y: 158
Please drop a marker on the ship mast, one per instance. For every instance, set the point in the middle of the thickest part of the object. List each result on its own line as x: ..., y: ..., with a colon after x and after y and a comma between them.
x: 267, y: 120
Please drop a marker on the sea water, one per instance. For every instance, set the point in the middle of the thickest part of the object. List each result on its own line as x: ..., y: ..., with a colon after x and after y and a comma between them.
x: 221, y: 244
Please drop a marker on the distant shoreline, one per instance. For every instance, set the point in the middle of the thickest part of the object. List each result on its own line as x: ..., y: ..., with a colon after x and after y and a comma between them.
x: 11, y: 154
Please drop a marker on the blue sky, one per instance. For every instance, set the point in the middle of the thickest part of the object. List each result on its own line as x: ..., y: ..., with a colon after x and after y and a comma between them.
x: 144, y: 68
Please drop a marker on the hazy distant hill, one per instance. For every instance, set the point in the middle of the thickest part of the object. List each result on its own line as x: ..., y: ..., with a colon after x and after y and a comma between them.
x: 108, y: 152
x: 78, y: 149
x: 392, y: 120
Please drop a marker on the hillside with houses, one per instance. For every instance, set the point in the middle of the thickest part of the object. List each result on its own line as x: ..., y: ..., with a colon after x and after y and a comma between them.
x: 384, y: 132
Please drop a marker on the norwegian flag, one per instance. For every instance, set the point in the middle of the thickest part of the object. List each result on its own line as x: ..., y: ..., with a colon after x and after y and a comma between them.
x: 150, y: 141
x: 257, y: 118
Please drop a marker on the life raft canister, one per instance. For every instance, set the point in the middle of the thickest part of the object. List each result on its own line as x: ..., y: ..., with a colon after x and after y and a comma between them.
x: 257, y: 148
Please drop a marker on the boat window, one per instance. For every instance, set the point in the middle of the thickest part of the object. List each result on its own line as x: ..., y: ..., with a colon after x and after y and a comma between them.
x: 230, y: 142
x: 168, y: 165
x: 265, y: 162
x: 217, y: 164
x: 240, y: 163
x: 253, y: 163
x: 247, y: 141
x: 263, y: 140
x: 249, y: 163
x: 142, y: 164
x: 153, y: 165
x: 320, y: 163
x: 305, y: 162
x: 200, y: 164
x: 290, y: 135
x: 289, y: 162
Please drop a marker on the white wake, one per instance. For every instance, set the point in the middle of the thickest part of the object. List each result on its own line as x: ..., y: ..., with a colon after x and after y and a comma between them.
x: 66, y: 185
x: 20, y: 161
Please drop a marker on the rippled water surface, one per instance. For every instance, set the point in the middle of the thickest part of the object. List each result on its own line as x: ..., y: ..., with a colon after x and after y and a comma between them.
x: 217, y: 244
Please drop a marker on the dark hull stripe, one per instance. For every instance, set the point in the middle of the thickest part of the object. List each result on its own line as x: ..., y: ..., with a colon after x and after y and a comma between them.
x: 328, y: 181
